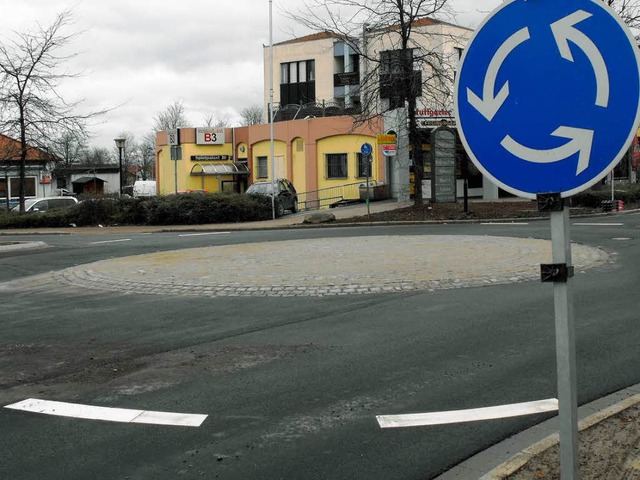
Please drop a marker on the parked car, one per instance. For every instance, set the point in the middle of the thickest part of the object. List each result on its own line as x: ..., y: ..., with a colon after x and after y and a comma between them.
x: 286, y: 195
x: 46, y: 203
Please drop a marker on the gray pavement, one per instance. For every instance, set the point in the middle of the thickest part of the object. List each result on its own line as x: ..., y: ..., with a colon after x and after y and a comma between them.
x: 267, y: 270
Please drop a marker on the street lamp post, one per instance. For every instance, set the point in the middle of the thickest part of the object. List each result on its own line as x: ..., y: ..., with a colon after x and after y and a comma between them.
x: 120, y: 145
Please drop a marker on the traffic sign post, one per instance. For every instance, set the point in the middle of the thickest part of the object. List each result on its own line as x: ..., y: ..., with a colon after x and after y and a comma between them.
x: 547, y: 103
x: 547, y: 95
x: 366, y: 149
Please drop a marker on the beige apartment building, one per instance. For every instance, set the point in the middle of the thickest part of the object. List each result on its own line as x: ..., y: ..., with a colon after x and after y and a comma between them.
x: 327, y: 74
x: 333, y: 70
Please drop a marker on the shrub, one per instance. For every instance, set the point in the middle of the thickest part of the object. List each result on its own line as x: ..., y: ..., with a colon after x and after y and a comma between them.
x: 187, y: 209
x: 593, y: 197
x: 94, y: 211
x: 60, y: 217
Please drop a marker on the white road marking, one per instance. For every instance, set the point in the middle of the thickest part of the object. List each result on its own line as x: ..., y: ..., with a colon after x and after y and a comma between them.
x: 90, y: 412
x: 111, y: 241
x: 504, y: 223
x: 599, y: 224
x: 471, y: 415
x: 201, y: 234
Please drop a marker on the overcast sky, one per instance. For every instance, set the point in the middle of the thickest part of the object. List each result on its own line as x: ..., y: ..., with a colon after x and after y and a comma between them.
x: 141, y: 55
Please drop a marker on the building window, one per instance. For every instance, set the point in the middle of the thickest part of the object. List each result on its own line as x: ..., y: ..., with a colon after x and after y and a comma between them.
x: 297, y: 82
x: 337, y: 165
x: 364, y: 165
x: 297, y: 72
x: 284, y: 73
x: 394, y: 84
x: 263, y: 171
x: 29, y: 186
x: 311, y: 70
x: 293, y: 72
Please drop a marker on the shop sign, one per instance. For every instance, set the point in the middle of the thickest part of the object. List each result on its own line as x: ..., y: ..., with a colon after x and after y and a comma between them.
x: 210, y: 136
x: 386, y: 139
x: 434, y: 117
x: 434, y: 122
x: 635, y: 153
x: 389, y: 150
x: 209, y: 157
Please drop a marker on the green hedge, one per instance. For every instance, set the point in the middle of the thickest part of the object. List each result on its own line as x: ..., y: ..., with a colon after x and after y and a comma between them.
x: 593, y: 197
x: 184, y: 209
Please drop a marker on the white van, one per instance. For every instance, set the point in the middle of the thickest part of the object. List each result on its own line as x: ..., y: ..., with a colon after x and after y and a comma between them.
x: 144, y: 188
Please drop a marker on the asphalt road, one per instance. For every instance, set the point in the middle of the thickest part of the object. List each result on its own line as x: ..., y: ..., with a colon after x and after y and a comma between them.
x: 292, y: 385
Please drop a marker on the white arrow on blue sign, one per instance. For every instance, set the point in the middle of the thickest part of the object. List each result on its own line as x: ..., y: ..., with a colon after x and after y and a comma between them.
x: 548, y: 95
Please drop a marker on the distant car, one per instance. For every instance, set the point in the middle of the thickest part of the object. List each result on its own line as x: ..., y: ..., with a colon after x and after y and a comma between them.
x: 286, y: 195
x: 144, y: 188
x: 46, y: 203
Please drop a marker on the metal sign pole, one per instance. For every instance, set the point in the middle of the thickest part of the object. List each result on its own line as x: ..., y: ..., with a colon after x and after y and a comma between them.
x: 368, y: 160
x: 565, y: 349
x: 175, y: 173
x: 560, y: 273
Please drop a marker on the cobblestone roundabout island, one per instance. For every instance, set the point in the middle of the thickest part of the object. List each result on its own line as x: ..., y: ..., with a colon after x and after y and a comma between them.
x: 321, y: 267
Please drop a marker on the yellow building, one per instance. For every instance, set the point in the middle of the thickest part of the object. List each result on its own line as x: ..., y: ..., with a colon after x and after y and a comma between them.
x: 320, y: 156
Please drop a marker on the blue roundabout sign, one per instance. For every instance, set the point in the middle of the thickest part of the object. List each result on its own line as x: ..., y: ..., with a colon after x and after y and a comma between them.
x: 548, y: 95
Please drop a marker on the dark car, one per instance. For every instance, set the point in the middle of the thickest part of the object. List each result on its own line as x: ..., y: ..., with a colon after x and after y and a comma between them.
x: 286, y: 196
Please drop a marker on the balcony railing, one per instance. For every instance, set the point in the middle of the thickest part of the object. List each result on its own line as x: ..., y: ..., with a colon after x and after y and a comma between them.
x: 312, y: 110
x: 346, y: 78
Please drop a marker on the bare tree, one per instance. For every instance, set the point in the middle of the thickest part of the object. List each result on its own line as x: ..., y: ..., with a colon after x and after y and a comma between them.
x: 148, y: 166
x: 251, y: 115
x: 210, y: 121
x: 31, y: 108
x: 402, y: 57
x: 70, y: 147
x: 172, y: 117
x: 96, y: 156
x: 629, y: 11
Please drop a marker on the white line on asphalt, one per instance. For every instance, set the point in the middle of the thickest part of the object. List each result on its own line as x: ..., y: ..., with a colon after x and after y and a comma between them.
x: 599, y: 224
x: 111, y: 241
x: 201, y: 234
x: 504, y: 223
x: 471, y: 415
x: 90, y: 412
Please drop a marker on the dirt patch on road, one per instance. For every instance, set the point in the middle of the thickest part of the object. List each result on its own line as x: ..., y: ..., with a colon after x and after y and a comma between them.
x: 64, y: 370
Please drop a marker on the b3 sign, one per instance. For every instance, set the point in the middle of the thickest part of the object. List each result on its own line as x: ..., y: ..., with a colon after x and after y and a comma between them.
x: 548, y: 95
x: 210, y: 136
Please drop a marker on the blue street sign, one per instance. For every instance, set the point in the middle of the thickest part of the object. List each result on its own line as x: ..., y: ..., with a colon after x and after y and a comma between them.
x: 548, y: 95
x: 366, y: 149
